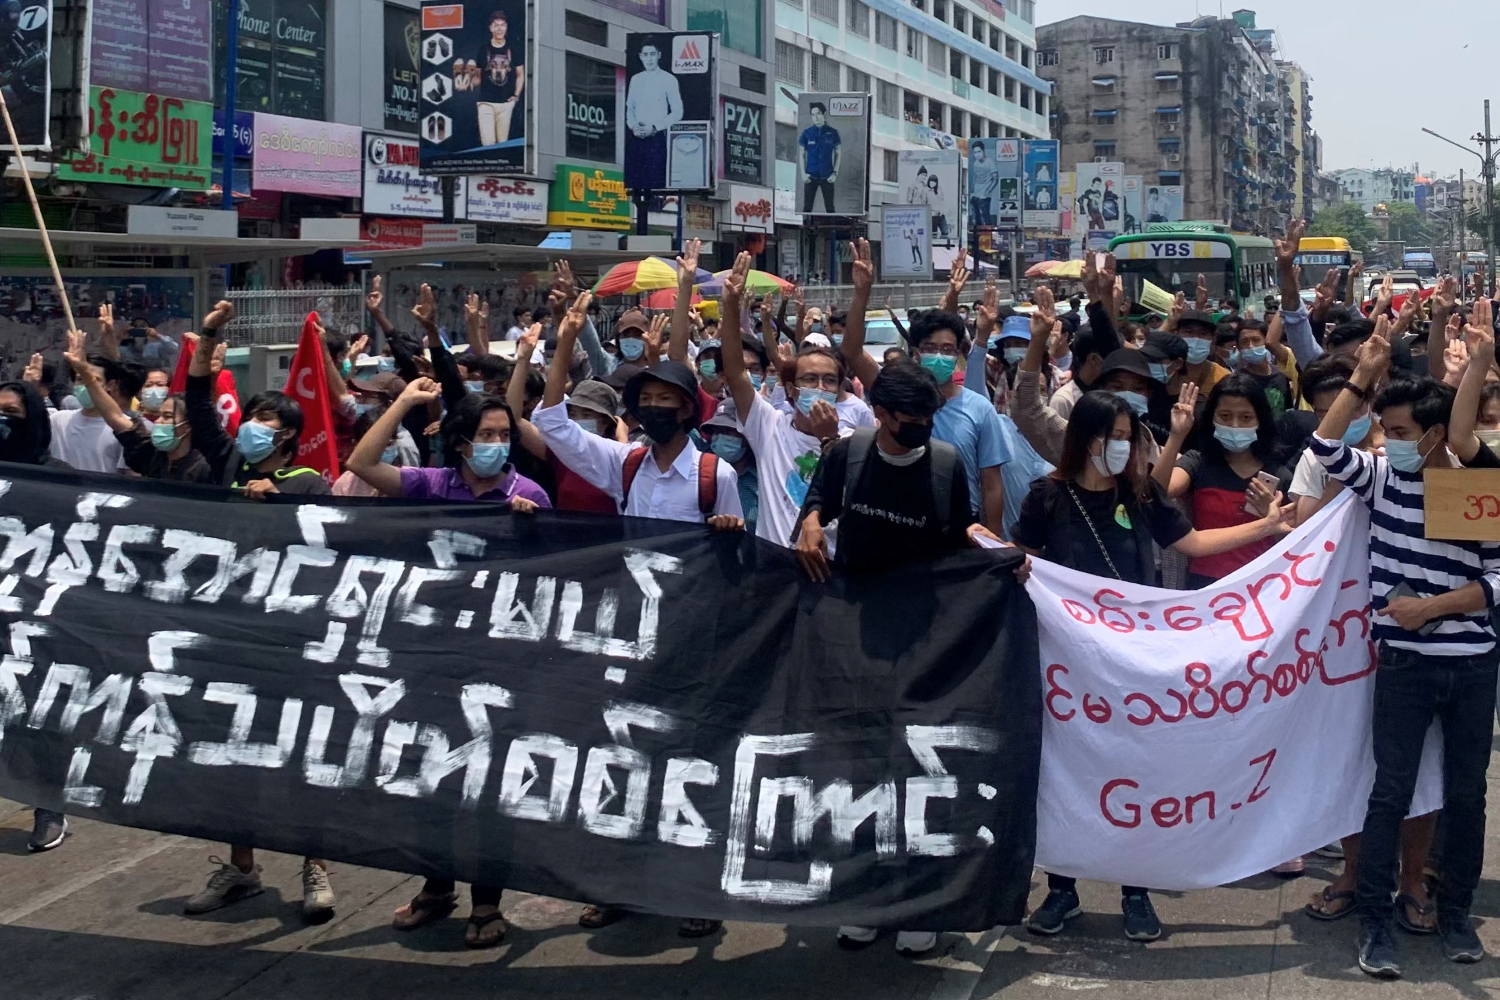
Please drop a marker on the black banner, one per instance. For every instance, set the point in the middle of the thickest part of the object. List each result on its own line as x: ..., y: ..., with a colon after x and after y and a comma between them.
x: 611, y: 710
x: 403, y: 47
x: 742, y: 142
x: 593, y: 101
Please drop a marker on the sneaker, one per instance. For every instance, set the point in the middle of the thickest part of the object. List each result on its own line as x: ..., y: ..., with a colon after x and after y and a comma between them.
x: 1060, y: 906
x: 1378, y: 955
x: 317, y: 894
x: 857, y: 938
x: 1460, y: 943
x: 48, y: 829
x: 1290, y: 869
x: 1140, y: 918
x: 915, y: 942
x: 1334, y: 851
x: 225, y: 886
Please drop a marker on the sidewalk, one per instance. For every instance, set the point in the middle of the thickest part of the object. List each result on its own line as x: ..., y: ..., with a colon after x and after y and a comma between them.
x: 101, y: 917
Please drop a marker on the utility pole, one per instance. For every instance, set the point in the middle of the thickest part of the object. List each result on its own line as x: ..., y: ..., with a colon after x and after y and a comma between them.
x: 1489, y: 141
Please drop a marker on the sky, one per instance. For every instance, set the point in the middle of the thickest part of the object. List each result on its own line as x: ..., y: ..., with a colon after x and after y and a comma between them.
x: 1382, y: 70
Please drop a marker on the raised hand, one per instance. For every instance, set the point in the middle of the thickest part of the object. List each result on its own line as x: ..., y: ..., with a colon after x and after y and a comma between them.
x: 1384, y: 296
x: 526, y: 346
x: 1374, y: 356
x: 376, y: 299
x: 958, y: 277
x: 425, y: 311
x: 360, y: 345
x: 1175, y: 314
x: 216, y: 363
x: 578, y: 314
x: 565, y: 281
x: 1045, y: 314
x: 1446, y: 296
x: 1480, y: 331
x: 1200, y: 294
x: 863, y: 267
x: 1327, y: 292
x: 734, y: 284
x: 1184, y: 411
x: 687, y: 264
x: 106, y: 320
x: 989, y: 312
x: 223, y: 313
x: 1090, y: 277
x: 1288, y: 248
x: 33, y: 372
x: 421, y: 392
x: 1455, y: 361
x: 653, y: 337
x: 77, y: 355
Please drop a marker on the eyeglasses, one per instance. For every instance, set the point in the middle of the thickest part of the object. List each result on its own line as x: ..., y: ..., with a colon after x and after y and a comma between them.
x: 818, y: 381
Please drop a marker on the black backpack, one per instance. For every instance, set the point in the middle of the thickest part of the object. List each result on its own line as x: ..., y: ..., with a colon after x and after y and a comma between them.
x: 944, y: 461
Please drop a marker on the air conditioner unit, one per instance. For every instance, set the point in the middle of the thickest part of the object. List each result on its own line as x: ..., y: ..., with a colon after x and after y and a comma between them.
x: 1169, y: 127
x: 1174, y: 158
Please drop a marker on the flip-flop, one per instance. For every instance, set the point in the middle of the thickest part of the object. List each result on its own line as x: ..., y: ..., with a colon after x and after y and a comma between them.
x: 1330, y: 897
x: 479, y: 924
x: 595, y: 917
x: 697, y: 927
x: 1404, y: 901
x: 425, y: 911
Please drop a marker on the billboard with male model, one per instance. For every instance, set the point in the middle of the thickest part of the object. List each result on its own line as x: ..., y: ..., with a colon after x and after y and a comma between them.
x: 473, y: 88
x: 833, y: 153
x: 671, y: 110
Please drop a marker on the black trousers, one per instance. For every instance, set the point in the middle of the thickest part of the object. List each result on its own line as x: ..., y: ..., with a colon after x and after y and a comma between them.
x: 810, y: 191
x: 484, y: 895
x: 1411, y: 689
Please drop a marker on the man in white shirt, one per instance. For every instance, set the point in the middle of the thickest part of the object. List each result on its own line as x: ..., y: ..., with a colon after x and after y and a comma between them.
x: 653, y: 104
x: 520, y: 326
x: 81, y: 437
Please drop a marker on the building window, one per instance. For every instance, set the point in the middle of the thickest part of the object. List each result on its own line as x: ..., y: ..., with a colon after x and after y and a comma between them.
x: 586, y: 29
x: 1104, y: 85
x: 738, y: 22
x: 978, y: 31
x: 961, y: 19
x: 827, y: 10
x: 791, y: 64
x: 994, y: 130
x: 956, y: 122
x: 1104, y: 55
x: 1026, y: 97
x: 1169, y: 145
x: 976, y: 73
x: 911, y: 106
x: 859, y: 83
x: 1170, y: 178
x: 940, y: 9
x: 1166, y: 50
x: 1025, y: 57
x: 887, y: 99
x: 1046, y: 58
x: 1168, y: 116
x: 937, y: 55
x: 955, y: 64
x: 859, y: 18
x: 994, y: 87
x: 1010, y: 48
x: 885, y: 30
x: 937, y: 114
x: 1105, y: 116
x: 1104, y: 151
x: 752, y: 80
x: 1010, y: 90
x: 825, y: 74
x: 1041, y: 104
x: 786, y: 142
x: 1168, y: 82
x: 995, y: 38
x: 914, y: 43
x: 892, y: 165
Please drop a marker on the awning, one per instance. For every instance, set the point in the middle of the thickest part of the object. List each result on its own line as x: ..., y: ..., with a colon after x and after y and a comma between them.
x: 1169, y: 111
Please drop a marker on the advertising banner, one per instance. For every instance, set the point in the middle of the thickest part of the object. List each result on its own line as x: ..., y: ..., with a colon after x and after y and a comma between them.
x: 26, y: 73
x: 743, y: 160
x: 1100, y: 194
x: 475, y: 80
x: 589, y: 198
x: 594, y: 708
x: 906, y: 243
x: 1041, y: 205
x: 282, y: 60
x: 506, y: 199
x: 833, y: 156
x: 307, y: 157
x: 244, y: 133
x: 593, y: 101
x: 671, y: 108
x: 159, y: 46
x: 403, y: 64
x: 147, y: 140
x: 929, y: 177
x: 1163, y: 203
x: 1067, y: 191
x: 751, y: 209
x: 394, y: 184
x: 995, y: 183
x: 1134, y: 207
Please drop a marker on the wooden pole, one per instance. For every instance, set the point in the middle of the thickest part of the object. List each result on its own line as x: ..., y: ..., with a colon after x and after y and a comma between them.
x: 36, y: 208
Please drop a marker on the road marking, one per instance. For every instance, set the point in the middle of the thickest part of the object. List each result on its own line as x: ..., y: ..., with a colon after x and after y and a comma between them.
x: 961, y: 980
x: 46, y: 899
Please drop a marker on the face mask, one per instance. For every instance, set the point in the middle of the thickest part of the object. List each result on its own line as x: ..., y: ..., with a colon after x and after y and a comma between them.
x: 1405, y: 456
x: 153, y: 396
x: 391, y: 454
x: 255, y: 442
x: 1490, y: 439
x: 1359, y: 429
x: 8, y: 424
x: 1116, y: 456
x: 360, y: 409
x: 661, y: 423
x: 1198, y: 350
x: 728, y: 447
x: 1136, y: 401
x: 1159, y: 372
x: 941, y: 366
x: 385, y: 364
x: 756, y: 381
x: 806, y: 398
x: 1236, y: 439
x: 588, y: 426
x: 1233, y: 361
x: 817, y: 327
x: 474, y: 386
x: 345, y: 367
x: 164, y: 437
x: 488, y: 460
x: 631, y: 348
x: 1065, y: 363
x: 772, y: 378
x: 709, y: 369
x: 838, y: 340
x: 81, y: 393
x: 913, y: 435
x: 1014, y: 355
x: 1255, y: 355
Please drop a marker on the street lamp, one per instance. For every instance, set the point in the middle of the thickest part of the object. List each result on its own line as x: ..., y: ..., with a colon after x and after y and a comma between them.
x: 1487, y: 158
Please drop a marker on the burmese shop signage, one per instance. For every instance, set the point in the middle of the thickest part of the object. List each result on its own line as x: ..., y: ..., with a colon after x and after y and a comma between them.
x: 393, y: 182
x: 307, y: 157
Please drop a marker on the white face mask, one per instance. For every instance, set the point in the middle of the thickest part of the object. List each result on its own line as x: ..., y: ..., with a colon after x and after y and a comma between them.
x: 1490, y: 439
x: 1115, y: 458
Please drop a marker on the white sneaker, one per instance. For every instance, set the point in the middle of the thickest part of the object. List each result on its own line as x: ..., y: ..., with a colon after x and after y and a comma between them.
x: 915, y: 942
x: 317, y: 893
x: 855, y: 938
x: 225, y: 886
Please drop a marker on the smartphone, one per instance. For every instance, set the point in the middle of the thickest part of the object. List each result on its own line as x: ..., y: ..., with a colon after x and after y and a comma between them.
x: 1403, y: 589
x: 1270, y: 482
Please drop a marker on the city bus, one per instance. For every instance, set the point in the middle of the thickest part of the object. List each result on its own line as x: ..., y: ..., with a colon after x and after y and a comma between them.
x: 1420, y: 260
x: 1316, y: 254
x: 1171, y: 255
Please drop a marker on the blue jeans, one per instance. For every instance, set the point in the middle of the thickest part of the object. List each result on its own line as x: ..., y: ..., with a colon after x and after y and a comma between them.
x: 1411, y: 689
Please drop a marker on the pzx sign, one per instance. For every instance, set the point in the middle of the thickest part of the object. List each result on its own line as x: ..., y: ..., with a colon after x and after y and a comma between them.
x: 387, y: 153
x: 847, y: 107
x: 690, y: 54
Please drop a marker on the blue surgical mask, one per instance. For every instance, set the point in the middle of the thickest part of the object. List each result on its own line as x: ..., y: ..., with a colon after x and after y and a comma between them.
x: 1359, y: 429
x: 345, y: 367
x: 1065, y: 363
x: 1236, y: 439
x: 153, y: 396
x: 941, y: 366
x: 1233, y: 361
x: 757, y: 381
x: 1198, y: 350
x: 488, y: 460
x: 1158, y: 372
x: 81, y: 393
x: 164, y: 437
x: 391, y: 454
x: 385, y: 364
x: 255, y: 442
x: 728, y: 447
x: 1014, y: 355
x: 1405, y: 456
x: 1255, y: 355
x: 806, y: 398
x: 360, y: 409
x: 588, y: 426
x: 838, y: 339
x: 708, y: 369
x: 1135, y: 400
x: 474, y: 386
x: 631, y: 348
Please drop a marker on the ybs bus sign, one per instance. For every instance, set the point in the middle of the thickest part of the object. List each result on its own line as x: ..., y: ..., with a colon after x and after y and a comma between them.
x: 1177, y: 250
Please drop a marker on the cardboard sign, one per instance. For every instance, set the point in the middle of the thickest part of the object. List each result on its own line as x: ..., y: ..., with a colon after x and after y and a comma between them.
x: 1462, y: 504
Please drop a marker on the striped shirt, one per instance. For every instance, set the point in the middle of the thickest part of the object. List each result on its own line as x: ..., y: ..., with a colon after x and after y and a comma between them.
x: 1400, y: 554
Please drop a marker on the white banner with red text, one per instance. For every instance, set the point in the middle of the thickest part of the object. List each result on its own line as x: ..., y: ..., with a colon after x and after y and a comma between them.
x: 1191, y: 739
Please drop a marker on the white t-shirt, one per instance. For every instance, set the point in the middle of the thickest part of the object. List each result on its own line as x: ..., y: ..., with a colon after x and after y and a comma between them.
x: 1310, y: 479
x: 514, y: 334
x: 86, y: 443
x: 785, y: 459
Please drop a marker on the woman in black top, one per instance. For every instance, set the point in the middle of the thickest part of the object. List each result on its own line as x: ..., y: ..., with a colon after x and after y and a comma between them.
x: 1099, y: 513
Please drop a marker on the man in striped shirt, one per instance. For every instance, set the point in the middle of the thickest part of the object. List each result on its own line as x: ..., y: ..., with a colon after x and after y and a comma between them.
x: 1437, y: 649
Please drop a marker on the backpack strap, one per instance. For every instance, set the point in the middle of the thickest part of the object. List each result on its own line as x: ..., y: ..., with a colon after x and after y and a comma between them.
x: 708, y: 483
x: 944, y: 461
x: 633, y: 463
x: 861, y: 442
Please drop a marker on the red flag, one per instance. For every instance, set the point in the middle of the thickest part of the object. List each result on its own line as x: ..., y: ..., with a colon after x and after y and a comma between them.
x: 226, y: 391
x: 307, y: 383
x: 184, y: 360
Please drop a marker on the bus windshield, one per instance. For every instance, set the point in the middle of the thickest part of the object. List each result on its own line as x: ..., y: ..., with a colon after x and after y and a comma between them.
x: 1173, y: 276
x: 1315, y: 267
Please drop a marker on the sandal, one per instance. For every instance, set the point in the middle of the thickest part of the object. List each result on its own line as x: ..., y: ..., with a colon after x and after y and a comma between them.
x: 475, y: 935
x: 423, y: 910
x: 694, y: 927
x: 1329, y: 897
x: 594, y: 918
x: 1403, y: 919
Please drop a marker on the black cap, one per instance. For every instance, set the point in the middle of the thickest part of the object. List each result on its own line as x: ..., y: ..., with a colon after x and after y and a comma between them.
x: 1199, y: 319
x: 1126, y: 359
x: 673, y: 373
x: 1165, y: 347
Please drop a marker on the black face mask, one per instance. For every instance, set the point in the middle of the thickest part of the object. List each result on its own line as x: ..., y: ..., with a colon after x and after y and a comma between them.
x: 661, y: 423
x: 913, y: 435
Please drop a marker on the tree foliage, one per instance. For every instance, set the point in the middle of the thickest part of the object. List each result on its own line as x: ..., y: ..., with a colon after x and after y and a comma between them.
x: 1408, y: 226
x: 1347, y: 220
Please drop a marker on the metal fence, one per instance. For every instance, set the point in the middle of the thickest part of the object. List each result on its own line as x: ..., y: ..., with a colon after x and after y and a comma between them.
x: 275, y: 316
x: 916, y: 295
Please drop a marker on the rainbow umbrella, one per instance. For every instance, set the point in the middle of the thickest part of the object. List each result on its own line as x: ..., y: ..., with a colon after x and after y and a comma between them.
x: 667, y: 299
x: 756, y: 283
x: 647, y: 275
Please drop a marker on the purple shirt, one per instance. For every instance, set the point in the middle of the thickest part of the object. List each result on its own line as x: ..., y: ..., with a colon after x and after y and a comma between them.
x: 449, y: 484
